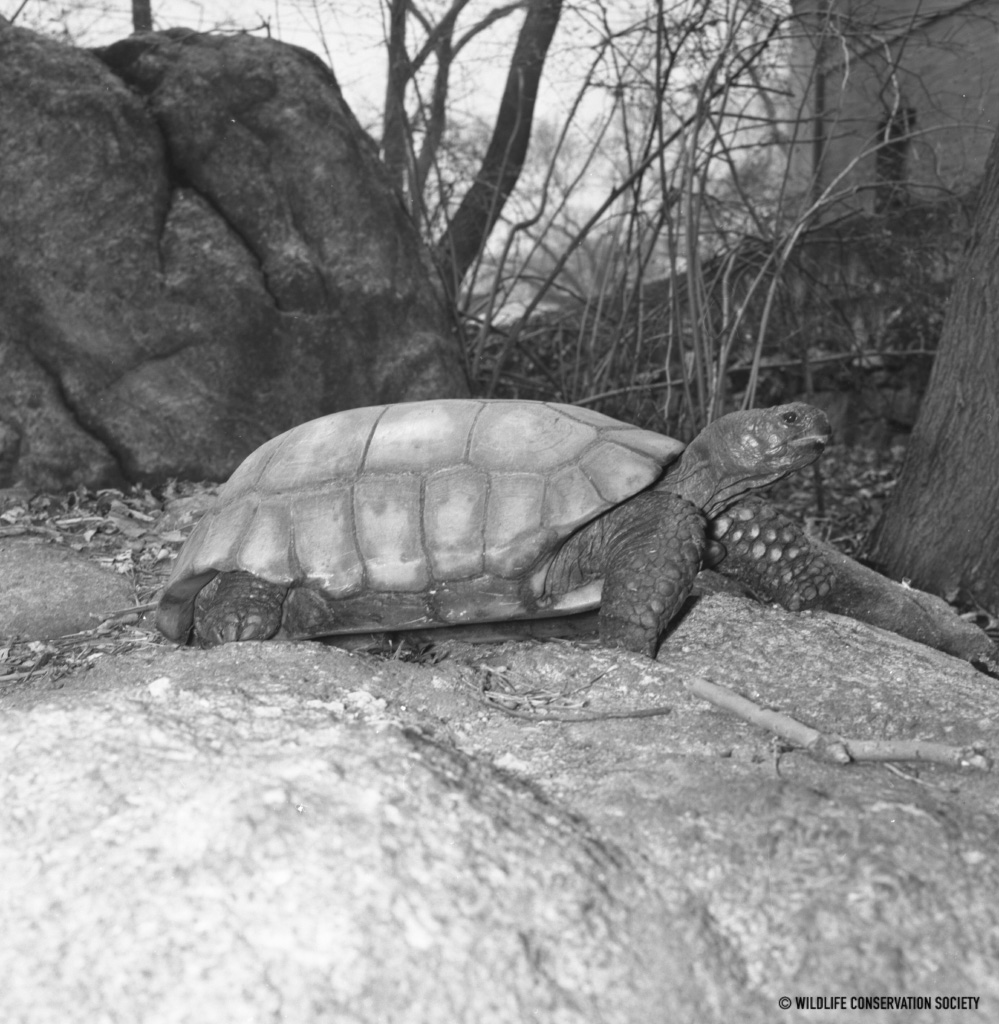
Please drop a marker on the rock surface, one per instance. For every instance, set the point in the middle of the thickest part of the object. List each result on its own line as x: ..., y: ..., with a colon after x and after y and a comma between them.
x: 199, y: 249
x: 287, y: 831
x: 49, y: 590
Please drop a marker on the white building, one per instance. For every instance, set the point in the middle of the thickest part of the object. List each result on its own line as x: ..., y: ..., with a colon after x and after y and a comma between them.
x: 898, y: 99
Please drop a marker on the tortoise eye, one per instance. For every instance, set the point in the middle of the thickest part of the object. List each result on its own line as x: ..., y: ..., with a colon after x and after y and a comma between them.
x: 790, y: 417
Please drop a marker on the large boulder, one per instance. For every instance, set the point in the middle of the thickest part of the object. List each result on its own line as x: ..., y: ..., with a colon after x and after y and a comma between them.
x: 199, y: 248
x: 285, y: 832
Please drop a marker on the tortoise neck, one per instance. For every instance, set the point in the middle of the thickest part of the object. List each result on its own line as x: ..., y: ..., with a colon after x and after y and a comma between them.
x: 702, y: 478
x: 692, y: 478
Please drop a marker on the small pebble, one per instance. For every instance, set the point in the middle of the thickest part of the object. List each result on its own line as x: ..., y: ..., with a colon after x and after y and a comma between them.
x: 159, y: 687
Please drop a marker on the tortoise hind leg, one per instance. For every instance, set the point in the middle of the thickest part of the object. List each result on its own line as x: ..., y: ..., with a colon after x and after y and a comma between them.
x: 238, y: 606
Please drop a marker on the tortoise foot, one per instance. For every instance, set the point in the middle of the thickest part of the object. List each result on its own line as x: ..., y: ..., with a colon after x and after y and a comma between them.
x: 239, y: 606
x: 630, y: 635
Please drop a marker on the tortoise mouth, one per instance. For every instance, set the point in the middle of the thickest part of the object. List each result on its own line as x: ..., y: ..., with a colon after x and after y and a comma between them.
x: 815, y: 441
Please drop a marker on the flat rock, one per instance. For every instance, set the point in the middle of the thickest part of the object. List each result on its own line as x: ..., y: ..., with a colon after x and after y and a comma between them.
x: 282, y: 830
x: 49, y: 590
x: 246, y: 836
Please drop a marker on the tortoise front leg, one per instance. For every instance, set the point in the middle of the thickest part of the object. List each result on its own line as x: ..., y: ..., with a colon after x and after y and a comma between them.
x: 238, y: 606
x: 770, y: 554
x: 652, y: 558
x: 648, y: 552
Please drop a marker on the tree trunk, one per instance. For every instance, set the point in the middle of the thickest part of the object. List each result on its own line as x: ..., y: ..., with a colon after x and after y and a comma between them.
x: 394, y: 132
x: 504, y: 159
x: 941, y: 527
x: 142, y: 16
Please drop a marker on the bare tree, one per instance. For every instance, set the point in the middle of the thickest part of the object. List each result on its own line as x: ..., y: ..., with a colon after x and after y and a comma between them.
x: 483, y: 203
x: 941, y: 527
x: 410, y: 143
x: 142, y: 16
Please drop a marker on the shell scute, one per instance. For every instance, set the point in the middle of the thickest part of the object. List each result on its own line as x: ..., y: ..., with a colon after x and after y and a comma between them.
x: 510, y: 436
x: 421, y: 437
x: 216, y: 539
x: 454, y: 514
x: 616, y: 473
x: 325, y: 542
x: 514, y: 536
x: 266, y: 547
x: 387, y: 515
x: 659, y: 447
x: 321, y: 451
x: 570, y: 499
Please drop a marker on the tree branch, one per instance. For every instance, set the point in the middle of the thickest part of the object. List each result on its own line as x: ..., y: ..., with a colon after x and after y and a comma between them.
x: 394, y: 127
x: 504, y: 158
x: 831, y: 747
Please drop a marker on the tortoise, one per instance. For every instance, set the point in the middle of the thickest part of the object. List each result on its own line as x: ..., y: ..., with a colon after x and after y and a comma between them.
x: 436, y: 513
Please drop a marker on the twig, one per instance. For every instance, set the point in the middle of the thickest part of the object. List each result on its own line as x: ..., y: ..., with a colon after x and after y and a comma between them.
x: 20, y: 530
x: 831, y: 747
x: 569, y: 716
x: 44, y: 660
x: 133, y: 610
x: 12, y: 677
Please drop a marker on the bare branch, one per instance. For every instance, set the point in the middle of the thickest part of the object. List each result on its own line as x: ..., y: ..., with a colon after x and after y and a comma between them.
x: 832, y: 747
x: 504, y: 158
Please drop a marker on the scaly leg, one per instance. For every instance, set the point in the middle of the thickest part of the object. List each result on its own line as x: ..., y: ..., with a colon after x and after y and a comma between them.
x: 771, y: 555
x: 238, y: 606
x: 648, y: 552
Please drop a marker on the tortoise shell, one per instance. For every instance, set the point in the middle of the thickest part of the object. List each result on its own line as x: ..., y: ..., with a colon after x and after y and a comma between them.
x: 442, y: 511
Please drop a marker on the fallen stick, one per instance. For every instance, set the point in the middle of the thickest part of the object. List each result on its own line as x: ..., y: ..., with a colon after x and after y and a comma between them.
x: 833, y: 748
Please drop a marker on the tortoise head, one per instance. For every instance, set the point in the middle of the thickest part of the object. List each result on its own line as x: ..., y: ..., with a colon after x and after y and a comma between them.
x: 747, y: 450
